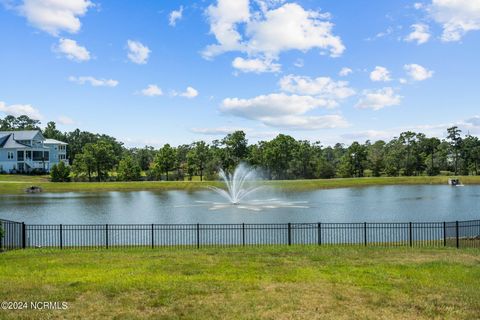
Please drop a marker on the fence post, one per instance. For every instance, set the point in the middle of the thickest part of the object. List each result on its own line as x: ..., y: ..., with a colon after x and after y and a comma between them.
x: 319, y: 233
x: 198, y: 235
x: 410, y: 234
x: 365, y: 233
x: 289, y: 234
x: 444, y: 234
x: 24, y: 236
x: 456, y: 234
x: 243, y: 234
x: 61, y: 236
x: 153, y: 243
x: 106, y: 235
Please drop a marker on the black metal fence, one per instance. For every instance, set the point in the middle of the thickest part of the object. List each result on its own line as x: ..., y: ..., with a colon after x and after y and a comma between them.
x: 13, y: 235
x: 414, y: 234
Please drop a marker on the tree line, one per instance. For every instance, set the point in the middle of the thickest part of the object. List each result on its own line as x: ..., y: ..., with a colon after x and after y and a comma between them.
x: 99, y: 157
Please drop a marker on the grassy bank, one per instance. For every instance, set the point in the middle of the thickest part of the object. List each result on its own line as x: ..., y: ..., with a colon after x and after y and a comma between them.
x: 16, y: 184
x: 245, y: 283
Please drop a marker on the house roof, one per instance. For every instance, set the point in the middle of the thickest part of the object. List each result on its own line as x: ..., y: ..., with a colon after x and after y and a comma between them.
x: 22, y: 135
x: 8, y: 141
x: 53, y: 141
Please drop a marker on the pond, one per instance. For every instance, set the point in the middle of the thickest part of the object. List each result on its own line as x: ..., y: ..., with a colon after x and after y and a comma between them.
x: 370, y: 204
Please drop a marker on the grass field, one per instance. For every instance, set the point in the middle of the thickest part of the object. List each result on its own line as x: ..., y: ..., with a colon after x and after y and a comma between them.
x: 15, y: 184
x: 245, y: 283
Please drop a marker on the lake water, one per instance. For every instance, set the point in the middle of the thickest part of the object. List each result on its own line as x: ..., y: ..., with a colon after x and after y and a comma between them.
x: 370, y: 204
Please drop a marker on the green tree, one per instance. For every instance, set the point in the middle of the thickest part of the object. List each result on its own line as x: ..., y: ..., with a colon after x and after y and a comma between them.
x: 455, y: 141
x: 235, y: 149
x: 60, y: 172
x: 84, y: 164
x: 96, y: 157
x: 353, y: 161
x: 165, y: 159
x: 201, y: 151
x: 375, y: 157
x: 129, y: 169
x: 430, y: 147
x: 394, y: 157
x: 23, y: 122
x: 278, y: 155
x: 51, y: 132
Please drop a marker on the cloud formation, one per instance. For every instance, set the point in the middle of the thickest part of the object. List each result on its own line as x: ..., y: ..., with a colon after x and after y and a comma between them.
x: 94, y: 81
x: 420, y: 33
x: 417, y: 72
x: 255, y: 65
x: 20, y: 109
x: 137, y: 52
x: 72, y: 50
x: 380, y: 74
x: 262, y: 34
x: 174, y: 16
x: 189, y: 93
x: 457, y: 17
x: 378, y: 99
x: 152, y: 90
x: 55, y: 16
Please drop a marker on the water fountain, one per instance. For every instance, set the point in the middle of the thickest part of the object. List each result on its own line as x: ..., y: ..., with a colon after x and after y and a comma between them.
x: 237, y: 184
x: 241, y: 184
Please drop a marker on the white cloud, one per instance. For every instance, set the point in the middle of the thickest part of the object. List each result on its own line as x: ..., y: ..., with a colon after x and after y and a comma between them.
x: 323, y: 87
x: 293, y: 122
x: 189, y: 93
x: 55, y: 16
x: 378, y: 99
x: 223, y: 20
x: 420, y: 33
x: 72, y: 50
x: 380, y: 74
x: 20, y: 109
x: 306, y: 30
x: 473, y: 121
x: 94, y: 81
x: 271, y: 105
x: 65, y: 120
x: 216, y: 131
x: 152, y: 90
x: 367, y: 135
x: 137, y: 52
x: 283, y: 111
x: 345, y: 72
x: 417, y: 72
x: 255, y: 65
x: 262, y: 34
x: 174, y: 16
x: 457, y: 17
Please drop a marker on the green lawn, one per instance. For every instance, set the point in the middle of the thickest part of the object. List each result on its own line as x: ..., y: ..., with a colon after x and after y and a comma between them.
x: 15, y: 184
x: 245, y: 283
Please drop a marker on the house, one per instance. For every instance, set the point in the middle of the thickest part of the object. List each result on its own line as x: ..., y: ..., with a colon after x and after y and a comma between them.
x: 27, y: 151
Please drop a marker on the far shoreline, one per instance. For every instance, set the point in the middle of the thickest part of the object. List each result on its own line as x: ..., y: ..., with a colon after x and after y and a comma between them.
x: 14, y: 185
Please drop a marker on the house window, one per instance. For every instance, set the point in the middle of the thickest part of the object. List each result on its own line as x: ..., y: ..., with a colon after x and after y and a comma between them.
x: 37, y: 155
x: 10, y: 155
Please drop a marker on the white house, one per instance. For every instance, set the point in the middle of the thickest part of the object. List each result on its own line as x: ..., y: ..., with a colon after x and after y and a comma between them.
x: 24, y: 151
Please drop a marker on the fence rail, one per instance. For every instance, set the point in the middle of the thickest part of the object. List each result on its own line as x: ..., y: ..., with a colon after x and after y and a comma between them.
x: 89, y: 236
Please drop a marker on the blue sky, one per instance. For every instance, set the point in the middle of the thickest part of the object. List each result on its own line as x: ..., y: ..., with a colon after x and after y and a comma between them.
x: 151, y: 72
